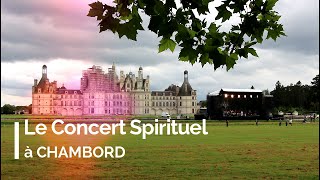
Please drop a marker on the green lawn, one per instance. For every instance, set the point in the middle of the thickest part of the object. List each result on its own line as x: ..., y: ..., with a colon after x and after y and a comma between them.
x: 242, y: 151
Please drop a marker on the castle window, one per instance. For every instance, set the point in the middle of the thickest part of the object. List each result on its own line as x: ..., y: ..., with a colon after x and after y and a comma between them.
x: 180, y: 103
x: 167, y: 104
x: 39, y: 90
x: 92, y: 110
x: 79, y: 103
x: 66, y: 92
x: 192, y: 98
x: 61, y: 103
x: 192, y: 103
x: 75, y: 92
x: 174, y: 104
x: 180, y: 97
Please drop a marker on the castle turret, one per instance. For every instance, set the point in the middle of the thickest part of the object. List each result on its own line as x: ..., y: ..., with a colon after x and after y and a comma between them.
x: 185, y: 76
x: 140, y: 73
x: 185, y: 89
x: 44, y: 71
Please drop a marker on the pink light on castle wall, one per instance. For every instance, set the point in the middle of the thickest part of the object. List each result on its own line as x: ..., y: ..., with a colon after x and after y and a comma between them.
x: 100, y: 93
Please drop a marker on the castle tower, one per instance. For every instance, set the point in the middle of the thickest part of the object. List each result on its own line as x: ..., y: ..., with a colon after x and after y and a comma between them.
x: 44, y: 71
x: 185, y: 76
x: 140, y: 73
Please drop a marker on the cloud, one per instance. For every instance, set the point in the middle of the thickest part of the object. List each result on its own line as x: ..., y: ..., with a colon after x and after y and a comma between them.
x: 59, y: 34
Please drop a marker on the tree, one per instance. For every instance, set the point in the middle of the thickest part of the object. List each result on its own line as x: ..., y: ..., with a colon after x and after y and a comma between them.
x: 180, y: 24
x: 8, y: 109
x: 297, y: 96
x: 203, y: 103
x: 315, y: 93
x: 266, y: 92
x: 315, y: 86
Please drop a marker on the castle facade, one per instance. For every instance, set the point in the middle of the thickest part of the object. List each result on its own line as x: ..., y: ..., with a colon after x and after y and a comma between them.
x: 106, y: 93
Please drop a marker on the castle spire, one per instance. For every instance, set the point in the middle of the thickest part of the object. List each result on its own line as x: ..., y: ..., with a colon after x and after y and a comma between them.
x: 185, y: 76
x: 44, y: 71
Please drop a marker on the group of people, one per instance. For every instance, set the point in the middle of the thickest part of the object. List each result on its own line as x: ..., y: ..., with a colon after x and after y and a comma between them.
x: 227, y: 122
x: 237, y: 113
x: 257, y: 122
x: 287, y: 122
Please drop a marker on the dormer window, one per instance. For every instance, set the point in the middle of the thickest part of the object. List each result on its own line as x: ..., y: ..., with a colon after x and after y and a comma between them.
x: 39, y: 90
x: 66, y: 92
x: 75, y: 92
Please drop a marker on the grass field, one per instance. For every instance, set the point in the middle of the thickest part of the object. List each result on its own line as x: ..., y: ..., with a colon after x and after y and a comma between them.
x: 242, y: 151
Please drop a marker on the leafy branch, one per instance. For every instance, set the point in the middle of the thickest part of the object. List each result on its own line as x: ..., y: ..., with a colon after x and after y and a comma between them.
x: 180, y: 25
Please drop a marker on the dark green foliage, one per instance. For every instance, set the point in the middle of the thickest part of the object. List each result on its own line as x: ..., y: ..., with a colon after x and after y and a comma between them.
x: 297, y: 96
x: 8, y: 109
x: 199, y: 41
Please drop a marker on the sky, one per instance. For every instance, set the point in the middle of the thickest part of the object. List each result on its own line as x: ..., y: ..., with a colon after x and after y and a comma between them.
x: 59, y: 34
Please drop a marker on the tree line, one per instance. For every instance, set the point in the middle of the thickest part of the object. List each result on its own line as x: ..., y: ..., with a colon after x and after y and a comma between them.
x: 297, y: 97
x: 12, y: 109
